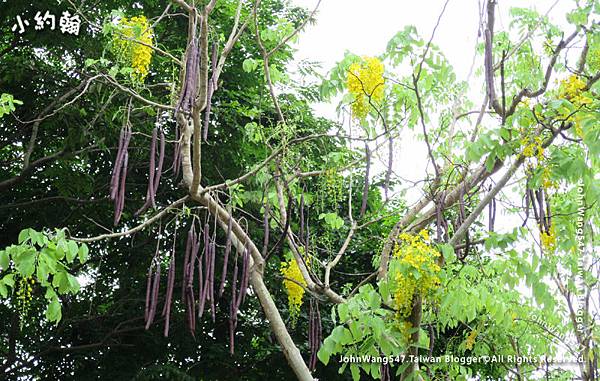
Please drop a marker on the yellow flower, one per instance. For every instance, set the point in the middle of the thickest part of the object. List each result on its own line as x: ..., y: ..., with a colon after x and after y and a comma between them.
x: 416, y: 253
x: 365, y: 81
x: 133, y: 45
x: 292, y: 284
x: 548, y: 240
x: 471, y: 339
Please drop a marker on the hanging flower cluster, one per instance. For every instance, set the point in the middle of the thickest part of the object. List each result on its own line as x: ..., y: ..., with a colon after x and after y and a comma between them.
x: 24, y: 295
x: 471, y: 339
x: 293, y: 279
x: 365, y: 81
x: 133, y: 45
x: 548, y: 239
x: 572, y: 89
x: 417, y: 271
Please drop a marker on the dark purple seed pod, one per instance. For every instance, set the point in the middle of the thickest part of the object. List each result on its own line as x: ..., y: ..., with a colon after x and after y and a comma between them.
x: 267, y: 230
x: 148, y: 293
x: 212, y: 279
x: 186, y: 258
x: 234, y: 282
x: 120, y: 200
x: 226, y: 256
x: 161, y: 159
x: 244, y: 280
x: 114, y: 181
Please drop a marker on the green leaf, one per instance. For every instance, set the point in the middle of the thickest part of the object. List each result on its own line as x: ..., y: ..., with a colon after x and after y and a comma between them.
x: 325, y: 352
x: 3, y: 290
x: 73, y: 283
x: 249, y: 65
x: 25, y: 262
x: 72, y: 251
x: 53, y: 312
x: 23, y: 235
x: 83, y: 253
x: 355, y: 372
x: 4, y: 259
x: 343, y: 312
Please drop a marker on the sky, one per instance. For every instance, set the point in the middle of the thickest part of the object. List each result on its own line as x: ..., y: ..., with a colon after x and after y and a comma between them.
x: 364, y: 28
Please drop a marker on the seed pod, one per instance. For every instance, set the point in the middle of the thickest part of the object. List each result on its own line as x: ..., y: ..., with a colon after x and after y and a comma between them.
x: 161, y: 159
x: 186, y: 259
x: 209, y: 91
x: 491, y: 214
x: 207, y: 263
x: 114, y: 181
x: 301, y: 216
x: 120, y: 201
x: 154, y: 297
x: 211, y: 292
x: 150, y: 192
x: 170, y: 286
x: 533, y: 199
x: 526, y: 207
x: 541, y: 209
x: 266, y: 229
x: 365, y: 195
x: 148, y: 294
x: 244, y: 280
x: 226, y: 256
x: 548, y: 215
x: 388, y: 173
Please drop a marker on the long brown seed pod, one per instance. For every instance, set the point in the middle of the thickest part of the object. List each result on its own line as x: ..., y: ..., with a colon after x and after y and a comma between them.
x: 124, y: 138
x: 301, y: 215
x: 226, y: 256
x: 234, y: 282
x: 365, y: 195
x: 148, y: 293
x: 541, y: 209
x: 207, y: 262
x: 548, y: 214
x: 190, y: 83
x: 211, y: 292
x: 169, y: 297
x: 526, y: 207
x: 491, y: 214
x: 266, y: 230
x: 114, y: 181
x: 151, y: 172
x: 232, y: 307
x: 154, y: 297
x: 186, y: 259
x: 161, y: 159
x: 244, y: 280
x: 533, y: 199
x: 120, y: 201
x: 209, y: 91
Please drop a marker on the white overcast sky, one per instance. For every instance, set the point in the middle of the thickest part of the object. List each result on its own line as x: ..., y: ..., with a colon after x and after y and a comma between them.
x: 365, y: 27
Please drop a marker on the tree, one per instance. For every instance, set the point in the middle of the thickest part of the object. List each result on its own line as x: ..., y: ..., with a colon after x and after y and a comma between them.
x: 232, y: 204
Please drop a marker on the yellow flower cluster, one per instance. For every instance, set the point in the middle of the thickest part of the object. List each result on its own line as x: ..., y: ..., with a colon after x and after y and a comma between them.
x: 471, y: 339
x: 24, y: 295
x: 414, y: 252
x: 133, y: 44
x: 548, y: 240
x: 532, y: 147
x: 290, y: 270
x: 365, y: 81
x: 572, y: 89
